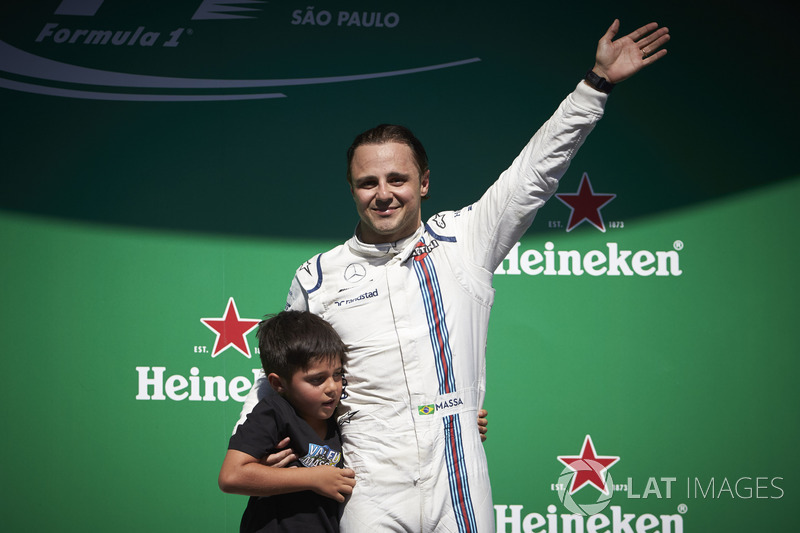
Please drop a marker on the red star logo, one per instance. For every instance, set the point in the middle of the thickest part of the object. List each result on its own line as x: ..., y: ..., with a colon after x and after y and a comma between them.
x: 230, y: 330
x: 588, y: 467
x: 585, y: 205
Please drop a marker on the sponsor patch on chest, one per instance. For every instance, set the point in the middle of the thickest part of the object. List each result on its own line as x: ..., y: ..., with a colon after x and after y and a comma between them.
x: 422, y: 249
x: 361, y: 297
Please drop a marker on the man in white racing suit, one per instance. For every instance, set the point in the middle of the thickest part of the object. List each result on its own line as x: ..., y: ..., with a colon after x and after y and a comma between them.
x: 412, y: 301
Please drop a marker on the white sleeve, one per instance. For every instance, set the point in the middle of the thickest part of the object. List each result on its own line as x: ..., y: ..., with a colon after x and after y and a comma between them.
x: 506, y: 210
x: 257, y: 392
x: 297, y: 299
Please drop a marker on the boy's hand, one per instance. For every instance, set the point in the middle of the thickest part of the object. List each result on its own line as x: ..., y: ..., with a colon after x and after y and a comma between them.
x: 334, y: 483
x: 281, y: 458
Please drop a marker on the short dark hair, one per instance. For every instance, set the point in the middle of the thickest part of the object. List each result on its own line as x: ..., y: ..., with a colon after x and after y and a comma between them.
x: 291, y: 340
x: 388, y: 133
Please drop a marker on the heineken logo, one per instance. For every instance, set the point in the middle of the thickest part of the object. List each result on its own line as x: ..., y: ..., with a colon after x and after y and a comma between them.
x: 613, y: 261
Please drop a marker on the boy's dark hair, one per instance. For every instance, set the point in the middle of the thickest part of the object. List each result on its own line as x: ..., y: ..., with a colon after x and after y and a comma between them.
x: 291, y: 340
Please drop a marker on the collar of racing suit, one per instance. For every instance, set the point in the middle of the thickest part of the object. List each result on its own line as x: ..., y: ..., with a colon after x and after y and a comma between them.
x: 399, y: 250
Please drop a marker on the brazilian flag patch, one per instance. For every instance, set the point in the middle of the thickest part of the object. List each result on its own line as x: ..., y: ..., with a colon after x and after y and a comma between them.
x: 426, y: 409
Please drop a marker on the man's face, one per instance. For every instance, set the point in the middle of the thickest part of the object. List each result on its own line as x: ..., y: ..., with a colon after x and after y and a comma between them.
x: 387, y: 189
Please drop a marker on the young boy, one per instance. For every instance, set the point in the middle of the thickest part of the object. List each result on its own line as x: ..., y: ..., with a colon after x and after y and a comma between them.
x: 303, y: 359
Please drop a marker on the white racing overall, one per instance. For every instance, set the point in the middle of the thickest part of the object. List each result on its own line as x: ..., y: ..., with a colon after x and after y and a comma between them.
x: 415, y: 315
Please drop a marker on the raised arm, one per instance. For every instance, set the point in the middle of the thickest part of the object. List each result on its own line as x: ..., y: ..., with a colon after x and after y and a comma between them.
x: 494, y: 224
x: 617, y: 60
x: 242, y: 473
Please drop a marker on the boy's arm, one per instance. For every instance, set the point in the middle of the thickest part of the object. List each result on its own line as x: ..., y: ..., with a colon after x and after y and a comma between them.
x: 241, y: 473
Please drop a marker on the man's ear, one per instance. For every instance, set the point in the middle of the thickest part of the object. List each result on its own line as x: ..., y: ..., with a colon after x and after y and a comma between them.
x: 424, y: 182
x: 277, y: 383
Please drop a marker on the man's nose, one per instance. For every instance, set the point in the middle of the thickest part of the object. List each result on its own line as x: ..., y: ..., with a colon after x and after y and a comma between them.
x: 383, y: 192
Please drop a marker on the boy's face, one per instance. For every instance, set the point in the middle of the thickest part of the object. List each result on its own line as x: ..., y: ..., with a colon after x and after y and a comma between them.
x: 315, y: 391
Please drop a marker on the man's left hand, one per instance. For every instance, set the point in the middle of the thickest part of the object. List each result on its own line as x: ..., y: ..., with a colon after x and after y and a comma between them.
x: 617, y: 60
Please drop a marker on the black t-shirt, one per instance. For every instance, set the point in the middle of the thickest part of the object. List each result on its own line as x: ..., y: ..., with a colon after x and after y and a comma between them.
x: 271, y: 420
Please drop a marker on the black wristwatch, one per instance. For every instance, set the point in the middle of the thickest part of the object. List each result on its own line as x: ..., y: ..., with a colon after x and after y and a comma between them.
x: 598, y: 82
